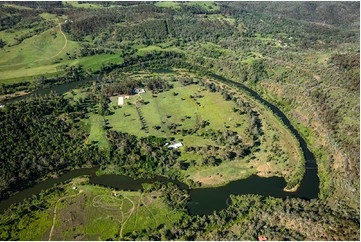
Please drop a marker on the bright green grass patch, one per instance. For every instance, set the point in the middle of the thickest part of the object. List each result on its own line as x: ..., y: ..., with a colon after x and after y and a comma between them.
x: 76, y: 95
x: 152, y: 48
x: 76, y: 4
x: 209, y: 6
x: 35, y: 56
x: 220, y: 17
x: 43, y: 55
x: 227, y: 171
x: 9, y: 36
x: 48, y: 16
x: 26, y: 73
x: 89, y: 213
x: 38, y: 228
x: 95, y: 126
x: 168, y: 4
x: 17, y: 6
x: 126, y: 118
x: 98, y: 215
x: 169, y: 108
x: 96, y: 61
x: 259, y: 36
x: 41, y: 47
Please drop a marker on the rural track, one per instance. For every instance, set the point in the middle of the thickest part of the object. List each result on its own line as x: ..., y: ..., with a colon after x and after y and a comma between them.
x: 130, y: 214
x: 49, y: 58
x: 55, y: 208
x: 156, y: 222
x: 65, y: 43
x: 136, y: 214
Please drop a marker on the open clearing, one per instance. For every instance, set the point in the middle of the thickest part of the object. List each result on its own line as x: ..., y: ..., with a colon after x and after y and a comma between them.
x: 95, y: 213
x: 44, y: 54
x: 278, y: 154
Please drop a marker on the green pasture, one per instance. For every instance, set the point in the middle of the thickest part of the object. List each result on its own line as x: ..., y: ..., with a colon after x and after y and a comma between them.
x: 168, y: 4
x: 94, y: 213
x: 209, y: 6
x: 76, y: 4
x: 95, y: 125
x: 44, y: 54
x: 174, y: 106
x: 99, y: 215
x: 144, y: 50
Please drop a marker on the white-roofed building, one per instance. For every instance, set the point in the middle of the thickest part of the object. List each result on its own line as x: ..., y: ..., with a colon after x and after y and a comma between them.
x: 120, y: 101
x: 175, y: 146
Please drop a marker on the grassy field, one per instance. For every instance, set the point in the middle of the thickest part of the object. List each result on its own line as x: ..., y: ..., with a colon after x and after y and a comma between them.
x: 168, y: 4
x: 95, y: 126
x: 43, y: 54
x: 76, y: 4
x: 39, y: 54
x: 209, y: 6
x: 168, y: 108
x: 94, y: 213
x: 177, y: 107
x: 145, y: 50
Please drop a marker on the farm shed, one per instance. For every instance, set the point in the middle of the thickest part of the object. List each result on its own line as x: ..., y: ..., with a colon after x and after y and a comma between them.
x: 175, y: 146
x: 120, y: 101
x: 139, y: 91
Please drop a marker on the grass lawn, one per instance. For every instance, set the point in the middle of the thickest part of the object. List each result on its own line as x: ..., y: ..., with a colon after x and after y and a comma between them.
x: 95, y: 126
x: 98, y: 215
x: 144, y: 50
x: 44, y: 54
x: 209, y: 6
x: 48, y: 16
x: 16, y: 6
x: 162, y: 111
x: 175, y: 105
x: 168, y: 4
x: 76, y: 4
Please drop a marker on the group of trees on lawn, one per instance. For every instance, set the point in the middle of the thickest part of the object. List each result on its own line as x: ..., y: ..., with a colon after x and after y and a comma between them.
x: 128, y: 86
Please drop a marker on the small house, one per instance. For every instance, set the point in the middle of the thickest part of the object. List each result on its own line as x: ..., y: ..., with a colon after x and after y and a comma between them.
x: 120, y: 101
x: 175, y: 145
x: 139, y: 91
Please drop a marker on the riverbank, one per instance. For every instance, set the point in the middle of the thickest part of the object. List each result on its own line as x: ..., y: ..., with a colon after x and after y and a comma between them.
x: 6, y: 97
x: 293, y: 189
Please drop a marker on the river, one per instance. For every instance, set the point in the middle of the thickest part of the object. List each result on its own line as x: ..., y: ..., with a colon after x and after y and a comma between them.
x: 60, y: 89
x: 203, y: 200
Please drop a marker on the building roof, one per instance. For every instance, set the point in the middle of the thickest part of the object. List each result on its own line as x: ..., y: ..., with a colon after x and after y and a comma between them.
x: 120, y: 101
x: 175, y: 145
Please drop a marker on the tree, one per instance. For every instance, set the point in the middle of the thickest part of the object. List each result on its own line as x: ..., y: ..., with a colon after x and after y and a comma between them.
x: 2, y: 43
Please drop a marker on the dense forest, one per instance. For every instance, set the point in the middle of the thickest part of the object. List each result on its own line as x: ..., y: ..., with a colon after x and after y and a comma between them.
x: 303, y: 57
x: 45, y: 128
